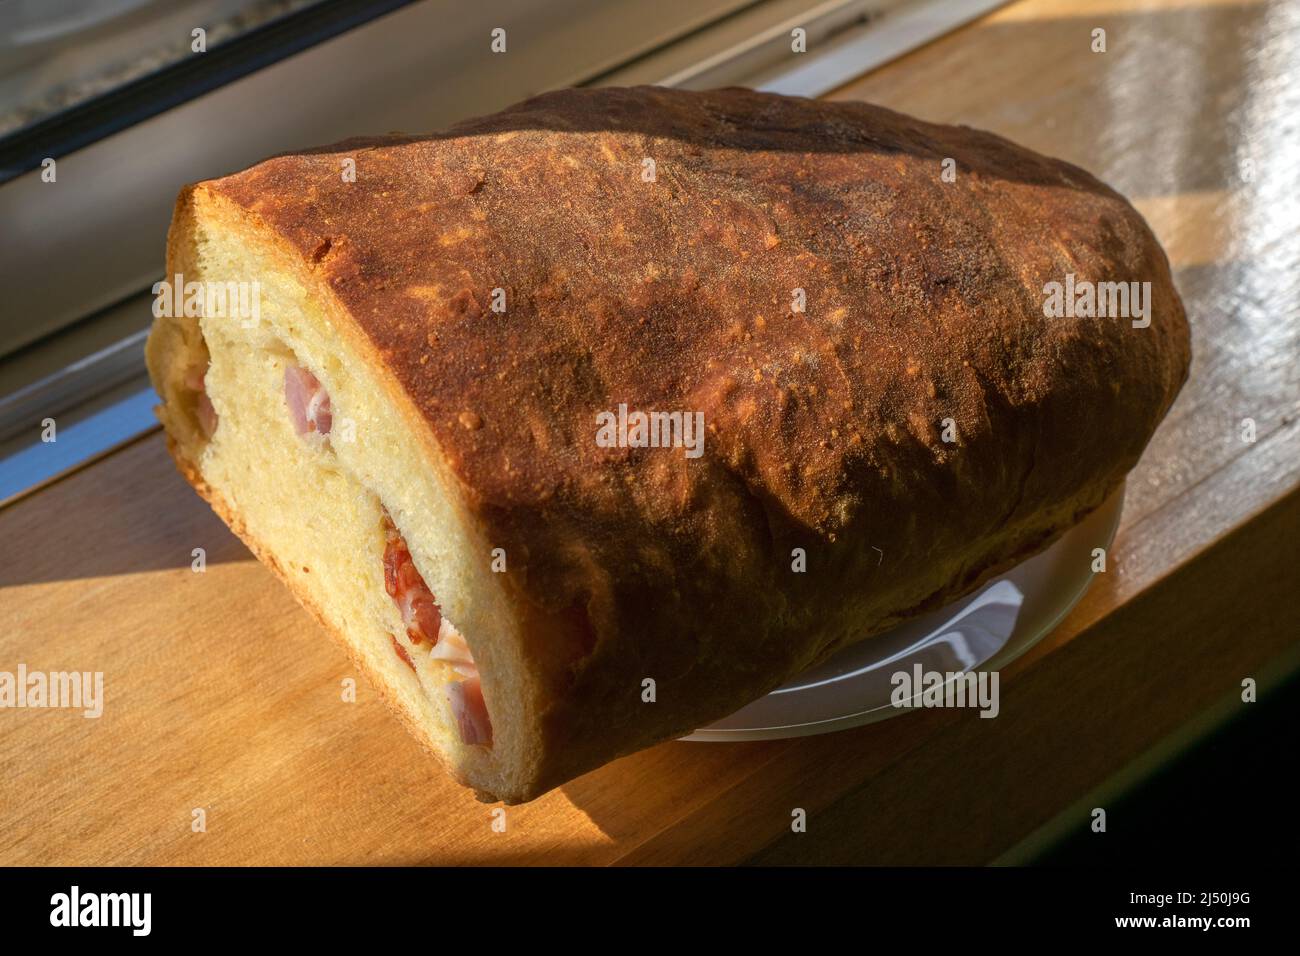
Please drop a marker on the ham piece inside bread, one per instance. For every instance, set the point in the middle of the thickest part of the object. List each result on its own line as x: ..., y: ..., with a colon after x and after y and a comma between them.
x: 309, y: 403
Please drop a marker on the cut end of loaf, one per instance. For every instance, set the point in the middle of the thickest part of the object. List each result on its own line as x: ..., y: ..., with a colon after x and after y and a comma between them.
x: 279, y: 419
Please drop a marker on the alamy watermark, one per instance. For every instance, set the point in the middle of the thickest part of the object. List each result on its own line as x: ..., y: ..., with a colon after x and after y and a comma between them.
x: 66, y: 690
x: 1083, y: 299
x: 214, y: 300
x: 636, y: 429
x: 75, y: 908
x: 921, y: 688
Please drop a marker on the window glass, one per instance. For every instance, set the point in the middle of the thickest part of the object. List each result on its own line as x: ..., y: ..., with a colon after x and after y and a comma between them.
x: 56, y: 54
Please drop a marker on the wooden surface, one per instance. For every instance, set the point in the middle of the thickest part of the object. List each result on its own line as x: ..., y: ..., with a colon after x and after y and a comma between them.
x: 221, y: 693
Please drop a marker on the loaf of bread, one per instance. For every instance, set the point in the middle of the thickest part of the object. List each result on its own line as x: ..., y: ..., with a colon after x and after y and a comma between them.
x: 583, y: 424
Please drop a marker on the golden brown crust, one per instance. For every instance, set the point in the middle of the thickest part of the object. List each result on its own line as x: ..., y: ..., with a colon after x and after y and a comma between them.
x: 924, y: 303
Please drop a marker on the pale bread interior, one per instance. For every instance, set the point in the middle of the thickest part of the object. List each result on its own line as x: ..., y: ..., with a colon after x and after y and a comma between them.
x: 314, y: 508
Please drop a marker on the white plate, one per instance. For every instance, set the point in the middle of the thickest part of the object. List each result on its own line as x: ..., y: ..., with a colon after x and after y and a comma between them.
x: 985, y: 630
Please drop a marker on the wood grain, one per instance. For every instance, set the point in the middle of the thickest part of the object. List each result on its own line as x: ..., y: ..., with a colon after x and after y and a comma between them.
x: 221, y: 694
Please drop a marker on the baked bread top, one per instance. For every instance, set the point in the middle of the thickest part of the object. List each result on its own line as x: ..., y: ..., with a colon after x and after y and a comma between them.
x: 653, y: 248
